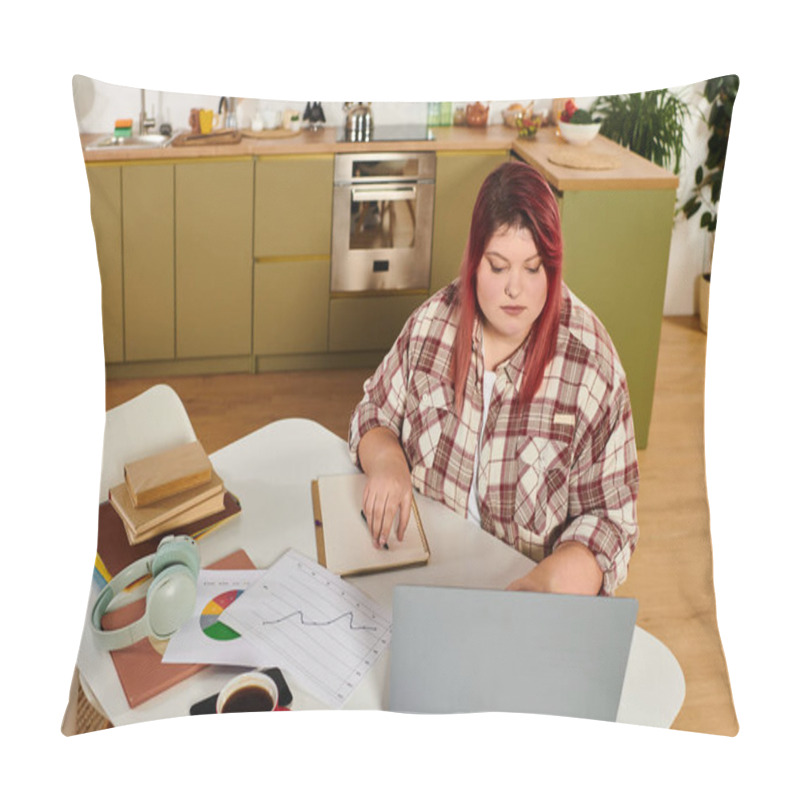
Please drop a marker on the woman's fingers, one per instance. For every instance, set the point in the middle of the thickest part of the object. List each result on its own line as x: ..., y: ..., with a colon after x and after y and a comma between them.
x: 405, y: 515
x: 375, y: 510
x: 382, y: 505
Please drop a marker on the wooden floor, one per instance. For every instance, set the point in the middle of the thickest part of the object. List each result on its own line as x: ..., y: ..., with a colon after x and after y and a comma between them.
x: 670, y: 572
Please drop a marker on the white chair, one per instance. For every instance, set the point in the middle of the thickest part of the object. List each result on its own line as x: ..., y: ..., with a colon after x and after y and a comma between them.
x: 152, y: 421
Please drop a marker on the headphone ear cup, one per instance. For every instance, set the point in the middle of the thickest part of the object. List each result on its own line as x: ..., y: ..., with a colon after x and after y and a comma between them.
x: 174, y: 550
x: 170, y: 600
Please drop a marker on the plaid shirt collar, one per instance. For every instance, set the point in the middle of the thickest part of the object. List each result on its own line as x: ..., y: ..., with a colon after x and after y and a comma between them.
x: 512, y: 366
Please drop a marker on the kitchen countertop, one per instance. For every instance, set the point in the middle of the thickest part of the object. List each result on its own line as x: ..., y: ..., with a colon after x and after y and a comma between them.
x: 633, y: 172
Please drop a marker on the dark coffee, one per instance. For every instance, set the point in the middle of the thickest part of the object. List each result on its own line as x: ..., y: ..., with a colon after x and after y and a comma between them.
x: 248, y: 698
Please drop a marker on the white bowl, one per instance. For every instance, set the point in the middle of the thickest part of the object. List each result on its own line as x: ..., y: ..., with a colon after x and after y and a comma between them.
x: 579, y: 134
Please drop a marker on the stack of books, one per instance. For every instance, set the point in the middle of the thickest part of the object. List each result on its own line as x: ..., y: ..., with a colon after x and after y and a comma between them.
x: 167, y: 491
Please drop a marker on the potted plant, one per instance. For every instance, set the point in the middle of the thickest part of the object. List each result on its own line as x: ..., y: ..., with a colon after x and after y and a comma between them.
x: 721, y: 94
x: 650, y: 124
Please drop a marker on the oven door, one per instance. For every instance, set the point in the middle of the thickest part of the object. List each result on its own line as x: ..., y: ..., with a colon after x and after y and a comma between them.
x: 382, y: 234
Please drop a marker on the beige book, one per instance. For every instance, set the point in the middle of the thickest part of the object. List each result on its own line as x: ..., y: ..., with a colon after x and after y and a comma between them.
x: 167, y: 473
x: 146, y: 519
x: 205, y: 508
x: 344, y: 543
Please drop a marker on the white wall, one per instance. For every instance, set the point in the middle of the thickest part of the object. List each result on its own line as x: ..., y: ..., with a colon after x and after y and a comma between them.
x: 99, y: 104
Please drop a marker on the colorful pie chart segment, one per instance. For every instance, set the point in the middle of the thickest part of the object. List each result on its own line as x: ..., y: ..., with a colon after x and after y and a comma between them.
x: 209, y: 619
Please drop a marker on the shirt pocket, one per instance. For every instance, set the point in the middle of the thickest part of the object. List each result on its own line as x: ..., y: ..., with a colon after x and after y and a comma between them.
x: 427, y: 413
x: 542, y: 491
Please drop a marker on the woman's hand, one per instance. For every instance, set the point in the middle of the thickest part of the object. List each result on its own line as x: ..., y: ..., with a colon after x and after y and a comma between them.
x: 388, y: 490
x: 569, y: 569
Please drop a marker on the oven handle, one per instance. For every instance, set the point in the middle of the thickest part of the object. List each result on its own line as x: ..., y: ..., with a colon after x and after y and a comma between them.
x: 375, y: 193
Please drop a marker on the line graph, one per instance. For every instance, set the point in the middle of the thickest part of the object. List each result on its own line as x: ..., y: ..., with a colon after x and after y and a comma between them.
x: 304, y: 618
x: 304, y: 621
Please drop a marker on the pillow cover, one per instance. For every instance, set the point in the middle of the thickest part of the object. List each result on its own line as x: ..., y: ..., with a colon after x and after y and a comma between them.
x: 206, y: 247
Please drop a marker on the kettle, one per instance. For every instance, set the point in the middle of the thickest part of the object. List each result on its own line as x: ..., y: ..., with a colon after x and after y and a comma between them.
x: 359, y: 120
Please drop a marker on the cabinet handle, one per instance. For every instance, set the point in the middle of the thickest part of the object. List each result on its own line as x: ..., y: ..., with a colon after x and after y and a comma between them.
x: 375, y: 193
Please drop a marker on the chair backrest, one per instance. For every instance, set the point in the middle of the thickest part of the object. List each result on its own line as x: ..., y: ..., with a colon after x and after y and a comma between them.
x: 152, y: 421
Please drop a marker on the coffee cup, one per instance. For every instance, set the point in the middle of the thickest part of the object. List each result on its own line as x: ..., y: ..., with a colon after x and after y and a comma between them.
x: 250, y: 691
x: 194, y: 120
x: 208, y: 120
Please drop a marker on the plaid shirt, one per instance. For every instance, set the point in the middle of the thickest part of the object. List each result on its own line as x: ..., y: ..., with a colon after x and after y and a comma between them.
x: 564, y: 469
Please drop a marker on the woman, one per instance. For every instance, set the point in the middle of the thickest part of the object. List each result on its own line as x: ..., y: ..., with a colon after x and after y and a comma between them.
x: 503, y: 398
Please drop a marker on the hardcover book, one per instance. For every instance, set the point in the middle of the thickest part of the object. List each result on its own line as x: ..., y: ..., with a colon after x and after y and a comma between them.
x: 167, y: 473
x: 147, y: 521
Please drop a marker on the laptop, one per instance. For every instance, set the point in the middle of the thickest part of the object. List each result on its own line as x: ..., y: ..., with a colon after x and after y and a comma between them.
x: 459, y: 650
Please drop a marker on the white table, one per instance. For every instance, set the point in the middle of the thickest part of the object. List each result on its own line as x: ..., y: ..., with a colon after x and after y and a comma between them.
x: 270, y: 471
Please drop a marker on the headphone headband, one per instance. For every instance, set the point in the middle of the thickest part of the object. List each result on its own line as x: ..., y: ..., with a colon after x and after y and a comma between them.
x: 170, y: 597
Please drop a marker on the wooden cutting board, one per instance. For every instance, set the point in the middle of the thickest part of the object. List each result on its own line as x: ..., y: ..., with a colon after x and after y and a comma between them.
x: 276, y: 133
x: 225, y: 136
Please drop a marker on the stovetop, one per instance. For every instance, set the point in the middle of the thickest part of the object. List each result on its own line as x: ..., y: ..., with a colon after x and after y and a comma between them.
x: 389, y: 133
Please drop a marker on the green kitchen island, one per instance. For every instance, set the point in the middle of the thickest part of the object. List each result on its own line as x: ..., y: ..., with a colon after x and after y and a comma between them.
x: 617, y: 225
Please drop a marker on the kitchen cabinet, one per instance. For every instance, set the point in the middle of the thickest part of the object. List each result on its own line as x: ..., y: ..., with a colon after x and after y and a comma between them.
x: 459, y: 175
x: 291, y: 248
x: 105, y: 182
x: 290, y: 306
x: 293, y: 197
x: 213, y: 257
x: 148, y: 254
x: 361, y: 323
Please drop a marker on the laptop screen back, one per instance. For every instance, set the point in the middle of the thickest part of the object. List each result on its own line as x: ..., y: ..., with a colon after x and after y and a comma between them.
x: 461, y: 650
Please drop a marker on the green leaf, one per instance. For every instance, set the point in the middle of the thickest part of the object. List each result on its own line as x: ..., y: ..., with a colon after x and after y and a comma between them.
x: 691, y: 207
x: 698, y: 176
x: 731, y: 85
x: 712, y: 88
x: 581, y: 117
x: 716, y: 188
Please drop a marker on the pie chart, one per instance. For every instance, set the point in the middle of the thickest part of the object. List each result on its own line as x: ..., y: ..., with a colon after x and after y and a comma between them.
x: 209, y: 618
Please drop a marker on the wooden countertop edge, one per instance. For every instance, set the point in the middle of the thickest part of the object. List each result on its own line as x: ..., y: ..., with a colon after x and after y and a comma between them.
x: 635, y: 172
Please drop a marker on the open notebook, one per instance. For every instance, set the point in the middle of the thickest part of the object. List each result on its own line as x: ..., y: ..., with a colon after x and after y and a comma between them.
x: 344, y: 543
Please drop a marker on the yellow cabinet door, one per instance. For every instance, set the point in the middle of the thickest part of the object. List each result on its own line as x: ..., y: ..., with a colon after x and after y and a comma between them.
x: 369, y: 323
x: 213, y: 257
x: 459, y: 176
x: 290, y: 307
x: 293, y: 203
x: 148, y: 249
x: 106, y: 208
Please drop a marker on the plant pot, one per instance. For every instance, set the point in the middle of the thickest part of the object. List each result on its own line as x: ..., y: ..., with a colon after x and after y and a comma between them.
x: 703, y: 287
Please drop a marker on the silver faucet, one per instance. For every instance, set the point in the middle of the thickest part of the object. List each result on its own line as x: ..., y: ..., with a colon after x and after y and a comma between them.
x: 146, y: 124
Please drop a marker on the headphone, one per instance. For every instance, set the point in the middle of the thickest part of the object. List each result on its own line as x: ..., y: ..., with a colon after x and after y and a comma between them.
x: 170, y: 597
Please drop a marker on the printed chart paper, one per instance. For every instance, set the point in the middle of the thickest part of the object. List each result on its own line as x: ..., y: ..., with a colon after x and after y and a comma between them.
x: 324, y: 631
x: 203, y: 639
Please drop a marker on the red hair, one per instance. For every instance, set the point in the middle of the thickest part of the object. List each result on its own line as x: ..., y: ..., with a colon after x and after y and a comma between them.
x: 514, y: 195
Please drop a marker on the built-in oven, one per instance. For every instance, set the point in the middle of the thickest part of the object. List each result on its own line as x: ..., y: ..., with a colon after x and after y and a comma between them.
x: 382, y: 221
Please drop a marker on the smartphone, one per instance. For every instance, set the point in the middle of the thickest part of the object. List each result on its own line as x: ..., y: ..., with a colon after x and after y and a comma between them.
x: 209, y: 704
